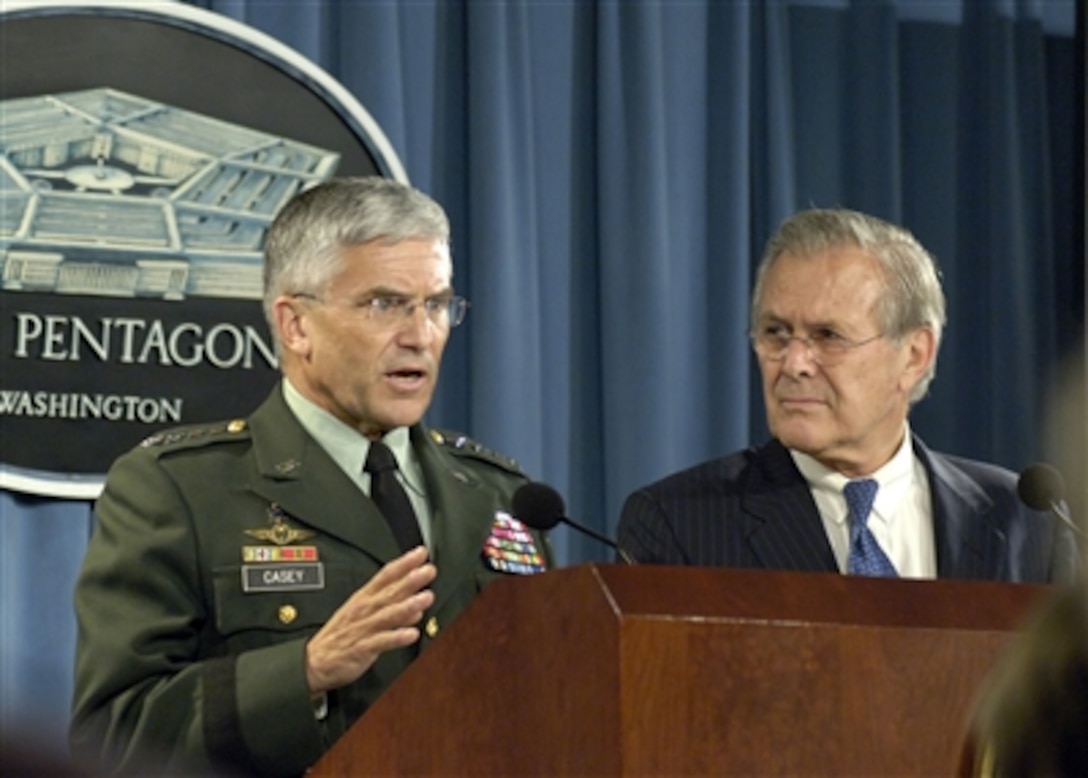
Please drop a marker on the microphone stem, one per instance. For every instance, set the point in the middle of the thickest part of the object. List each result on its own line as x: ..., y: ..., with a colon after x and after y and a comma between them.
x: 1058, y: 510
x: 603, y: 539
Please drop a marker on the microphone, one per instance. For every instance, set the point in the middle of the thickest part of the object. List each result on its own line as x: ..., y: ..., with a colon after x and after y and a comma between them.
x: 541, y: 507
x: 1041, y: 487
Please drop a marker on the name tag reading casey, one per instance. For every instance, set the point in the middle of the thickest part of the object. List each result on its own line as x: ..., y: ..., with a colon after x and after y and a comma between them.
x: 281, y: 577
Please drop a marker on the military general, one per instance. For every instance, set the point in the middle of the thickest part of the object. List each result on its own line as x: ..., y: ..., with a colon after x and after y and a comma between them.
x: 253, y: 586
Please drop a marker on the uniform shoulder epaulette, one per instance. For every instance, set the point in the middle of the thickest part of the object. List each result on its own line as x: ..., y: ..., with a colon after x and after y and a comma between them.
x: 196, y: 435
x: 462, y: 445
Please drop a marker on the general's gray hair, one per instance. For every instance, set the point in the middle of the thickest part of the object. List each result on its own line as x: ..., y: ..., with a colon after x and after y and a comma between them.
x: 302, y: 248
x: 913, y: 296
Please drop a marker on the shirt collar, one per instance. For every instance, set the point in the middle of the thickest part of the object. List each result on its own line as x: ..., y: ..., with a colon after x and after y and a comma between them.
x: 346, y: 445
x: 895, y: 477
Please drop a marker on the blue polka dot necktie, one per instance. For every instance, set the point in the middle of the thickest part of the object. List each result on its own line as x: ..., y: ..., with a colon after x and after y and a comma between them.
x: 866, y: 555
x: 390, y: 497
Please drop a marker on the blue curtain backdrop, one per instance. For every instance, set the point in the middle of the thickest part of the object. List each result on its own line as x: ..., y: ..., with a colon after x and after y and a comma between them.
x: 612, y: 170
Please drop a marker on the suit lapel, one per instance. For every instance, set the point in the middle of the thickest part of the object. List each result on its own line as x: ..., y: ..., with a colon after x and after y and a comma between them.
x: 784, y: 529
x: 294, y: 472
x: 968, y: 544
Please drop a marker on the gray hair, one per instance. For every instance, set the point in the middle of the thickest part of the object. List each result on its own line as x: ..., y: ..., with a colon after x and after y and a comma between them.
x: 302, y: 248
x: 913, y: 296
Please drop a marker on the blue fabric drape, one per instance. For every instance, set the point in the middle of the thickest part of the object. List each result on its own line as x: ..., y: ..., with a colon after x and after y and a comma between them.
x: 42, y: 542
x: 612, y: 170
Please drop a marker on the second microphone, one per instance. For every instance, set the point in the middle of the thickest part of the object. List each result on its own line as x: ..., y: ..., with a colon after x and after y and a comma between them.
x: 542, y: 508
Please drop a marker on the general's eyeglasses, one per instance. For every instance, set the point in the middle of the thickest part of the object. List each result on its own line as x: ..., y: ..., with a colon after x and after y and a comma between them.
x: 388, y: 310
x: 827, y: 347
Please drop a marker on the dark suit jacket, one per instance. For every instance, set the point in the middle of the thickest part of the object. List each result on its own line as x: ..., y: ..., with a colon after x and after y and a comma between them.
x: 177, y: 663
x: 753, y: 509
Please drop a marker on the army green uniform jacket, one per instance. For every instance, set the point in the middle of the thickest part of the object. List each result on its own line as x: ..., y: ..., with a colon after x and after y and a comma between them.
x: 191, y: 634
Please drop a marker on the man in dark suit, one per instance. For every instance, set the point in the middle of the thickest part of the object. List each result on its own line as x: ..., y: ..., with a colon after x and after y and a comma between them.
x: 253, y: 586
x: 847, y: 313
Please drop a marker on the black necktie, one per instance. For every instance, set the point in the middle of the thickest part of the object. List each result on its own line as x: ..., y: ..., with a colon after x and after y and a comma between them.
x: 390, y: 497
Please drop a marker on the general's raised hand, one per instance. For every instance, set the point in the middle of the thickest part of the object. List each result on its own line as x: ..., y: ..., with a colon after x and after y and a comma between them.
x: 378, y: 617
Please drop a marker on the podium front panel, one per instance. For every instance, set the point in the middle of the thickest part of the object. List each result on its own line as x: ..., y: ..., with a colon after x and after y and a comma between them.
x: 613, y: 670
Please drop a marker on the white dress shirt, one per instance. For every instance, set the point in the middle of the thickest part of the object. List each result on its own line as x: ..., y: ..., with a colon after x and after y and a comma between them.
x: 901, y: 519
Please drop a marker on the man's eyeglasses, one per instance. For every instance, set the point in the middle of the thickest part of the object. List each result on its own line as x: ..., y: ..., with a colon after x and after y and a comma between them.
x: 827, y: 347
x: 389, y: 310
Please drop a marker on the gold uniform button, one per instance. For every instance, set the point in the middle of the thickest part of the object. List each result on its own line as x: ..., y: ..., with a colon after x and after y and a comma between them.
x: 287, y: 614
x: 432, y: 627
x: 238, y: 425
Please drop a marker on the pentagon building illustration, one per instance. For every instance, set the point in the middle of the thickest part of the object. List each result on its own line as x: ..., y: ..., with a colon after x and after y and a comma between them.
x: 107, y: 193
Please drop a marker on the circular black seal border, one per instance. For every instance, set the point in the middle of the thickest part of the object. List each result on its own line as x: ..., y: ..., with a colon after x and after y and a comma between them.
x: 248, y: 40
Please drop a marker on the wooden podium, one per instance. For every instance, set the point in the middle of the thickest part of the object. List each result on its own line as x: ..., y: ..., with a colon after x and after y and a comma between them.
x: 608, y: 670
